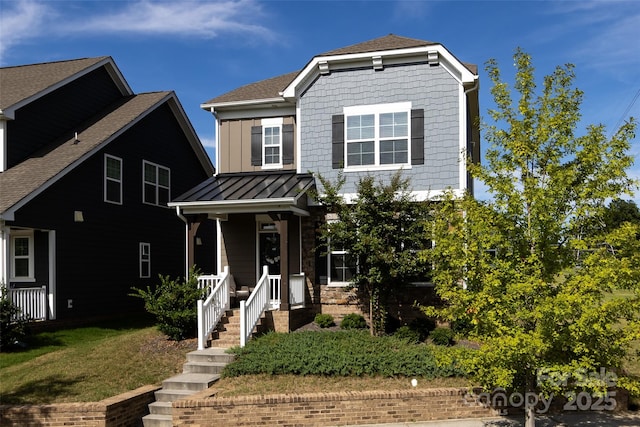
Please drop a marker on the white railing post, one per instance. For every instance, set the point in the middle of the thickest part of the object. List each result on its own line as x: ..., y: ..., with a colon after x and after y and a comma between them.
x: 243, y: 323
x: 216, y: 301
x: 201, y: 325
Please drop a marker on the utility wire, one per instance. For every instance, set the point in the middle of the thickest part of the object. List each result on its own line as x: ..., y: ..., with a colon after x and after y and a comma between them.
x: 624, y: 115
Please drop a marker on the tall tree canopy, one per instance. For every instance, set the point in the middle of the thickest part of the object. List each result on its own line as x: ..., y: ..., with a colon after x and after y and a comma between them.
x: 529, y: 272
x: 382, y: 230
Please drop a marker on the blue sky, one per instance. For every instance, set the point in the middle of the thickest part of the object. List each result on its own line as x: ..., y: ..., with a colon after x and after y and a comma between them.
x: 201, y: 49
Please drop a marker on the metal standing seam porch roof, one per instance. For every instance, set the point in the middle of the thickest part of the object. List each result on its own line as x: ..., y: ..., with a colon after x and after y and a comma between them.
x: 254, y: 192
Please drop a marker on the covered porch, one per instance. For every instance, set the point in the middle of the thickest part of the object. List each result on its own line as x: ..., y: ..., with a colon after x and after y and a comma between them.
x: 258, y: 242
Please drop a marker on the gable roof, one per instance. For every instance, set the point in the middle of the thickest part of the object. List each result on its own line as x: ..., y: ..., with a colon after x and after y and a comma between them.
x: 22, y: 84
x: 273, y: 88
x: 26, y: 180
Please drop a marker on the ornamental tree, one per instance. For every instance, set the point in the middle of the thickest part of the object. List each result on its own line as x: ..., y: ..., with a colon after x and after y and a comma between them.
x: 381, y: 231
x: 530, y: 273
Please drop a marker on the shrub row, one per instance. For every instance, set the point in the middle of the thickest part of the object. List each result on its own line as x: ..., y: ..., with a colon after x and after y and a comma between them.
x: 345, y: 353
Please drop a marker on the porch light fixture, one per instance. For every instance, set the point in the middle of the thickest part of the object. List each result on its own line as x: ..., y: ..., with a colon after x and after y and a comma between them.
x: 78, y: 216
x: 198, y: 241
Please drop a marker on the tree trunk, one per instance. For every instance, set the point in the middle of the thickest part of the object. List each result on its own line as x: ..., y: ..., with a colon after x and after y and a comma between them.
x: 529, y: 417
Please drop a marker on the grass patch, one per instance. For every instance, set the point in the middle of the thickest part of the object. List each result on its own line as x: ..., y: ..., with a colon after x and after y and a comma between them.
x: 264, y: 384
x: 88, y: 364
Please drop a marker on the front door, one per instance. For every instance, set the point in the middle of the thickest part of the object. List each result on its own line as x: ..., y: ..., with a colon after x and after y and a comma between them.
x: 268, y: 247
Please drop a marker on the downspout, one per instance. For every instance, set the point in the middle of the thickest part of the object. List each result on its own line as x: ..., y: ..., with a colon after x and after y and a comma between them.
x: 469, y: 126
x: 186, y: 242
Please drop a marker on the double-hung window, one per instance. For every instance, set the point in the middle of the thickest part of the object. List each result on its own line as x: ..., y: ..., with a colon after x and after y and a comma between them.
x: 112, y: 179
x: 22, y: 256
x: 341, y: 267
x: 155, y: 184
x: 145, y: 260
x: 377, y: 135
x: 272, y: 143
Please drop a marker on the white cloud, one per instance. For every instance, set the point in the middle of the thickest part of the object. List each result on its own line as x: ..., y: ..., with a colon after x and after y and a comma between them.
x: 189, y: 18
x: 208, y: 142
x: 26, y: 20
x: 20, y: 21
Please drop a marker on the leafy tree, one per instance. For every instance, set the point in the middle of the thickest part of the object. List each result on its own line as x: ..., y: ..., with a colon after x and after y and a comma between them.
x: 620, y: 211
x: 509, y: 268
x: 381, y: 229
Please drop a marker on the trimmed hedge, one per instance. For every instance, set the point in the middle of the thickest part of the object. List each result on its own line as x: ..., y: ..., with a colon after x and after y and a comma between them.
x: 344, y: 353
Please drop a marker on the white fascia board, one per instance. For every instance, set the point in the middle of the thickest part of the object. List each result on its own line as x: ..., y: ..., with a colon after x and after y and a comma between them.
x: 3, y: 145
x: 255, y: 113
x: 112, y: 69
x: 244, y: 206
x: 418, y: 196
x: 246, y: 103
x: 9, y: 214
x: 452, y: 64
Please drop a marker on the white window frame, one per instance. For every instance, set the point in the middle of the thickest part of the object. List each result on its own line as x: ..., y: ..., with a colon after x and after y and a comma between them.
x: 23, y: 234
x: 271, y: 124
x: 376, y: 110
x: 144, y: 255
x: 108, y: 179
x: 330, y: 254
x: 157, y: 186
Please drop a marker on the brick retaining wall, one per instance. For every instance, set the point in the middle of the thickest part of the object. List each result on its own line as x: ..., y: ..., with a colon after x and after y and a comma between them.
x: 123, y: 410
x: 318, y: 409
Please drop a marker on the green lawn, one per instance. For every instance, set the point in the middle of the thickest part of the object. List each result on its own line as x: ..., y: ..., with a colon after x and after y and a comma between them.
x: 89, y: 363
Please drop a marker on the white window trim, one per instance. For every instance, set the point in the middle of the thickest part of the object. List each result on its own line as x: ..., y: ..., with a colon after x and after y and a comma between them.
x: 22, y: 234
x: 106, y: 178
x: 157, y: 184
x: 377, y: 109
x: 271, y: 123
x: 142, y: 261
x: 332, y: 283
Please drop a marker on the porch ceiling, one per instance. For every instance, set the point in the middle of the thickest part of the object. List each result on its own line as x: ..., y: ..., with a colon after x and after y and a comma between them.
x: 257, y: 192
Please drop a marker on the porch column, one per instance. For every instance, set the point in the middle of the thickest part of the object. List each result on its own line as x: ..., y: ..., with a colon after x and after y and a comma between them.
x: 283, y: 229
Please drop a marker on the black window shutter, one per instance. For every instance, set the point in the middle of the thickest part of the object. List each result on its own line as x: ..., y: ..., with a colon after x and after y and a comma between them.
x: 337, y: 141
x: 287, y: 144
x: 256, y: 145
x: 417, y: 137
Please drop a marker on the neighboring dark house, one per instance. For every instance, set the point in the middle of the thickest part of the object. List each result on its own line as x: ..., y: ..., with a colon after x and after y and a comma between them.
x: 388, y: 104
x: 86, y: 170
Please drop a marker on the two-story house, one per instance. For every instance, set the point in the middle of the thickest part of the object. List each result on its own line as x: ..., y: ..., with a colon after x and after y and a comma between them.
x: 388, y: 104
x: 86, y: 170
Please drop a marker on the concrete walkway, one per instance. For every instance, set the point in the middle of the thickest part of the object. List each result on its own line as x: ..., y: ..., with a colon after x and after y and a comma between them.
x: 564, y: 419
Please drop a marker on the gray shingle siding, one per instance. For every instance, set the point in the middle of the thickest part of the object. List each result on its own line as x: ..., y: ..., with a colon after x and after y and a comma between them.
x: 428, y: 87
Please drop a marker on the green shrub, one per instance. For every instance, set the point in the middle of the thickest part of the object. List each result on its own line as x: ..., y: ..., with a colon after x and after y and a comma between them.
x: 442, y: 336
x: 353, y: 321
x: 343, y: 353
x: 406, y: 333
x: 13, y: 327
x: 423, y: 325
x: 174, y: 305
x: 324, y: 320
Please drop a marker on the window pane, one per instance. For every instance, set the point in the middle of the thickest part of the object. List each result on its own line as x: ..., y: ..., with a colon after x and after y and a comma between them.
x: 360, y: 127
x: 360, y: 153
x: 393, y: 151
x: 393, y: 125
x: 113, y: 191
x: 163, y: 195
x: 21, y: 267
x: 113, y: 168
x: 150, y: 193
x: 149, y: 173
x: 163, y: 177
x: 272, y: 136
x: 21, y: 245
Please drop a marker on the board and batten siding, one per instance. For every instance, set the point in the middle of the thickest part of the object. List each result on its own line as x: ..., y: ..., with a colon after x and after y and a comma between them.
x: 235, y: 145
x: 73, y: 104
x: 426, y: 87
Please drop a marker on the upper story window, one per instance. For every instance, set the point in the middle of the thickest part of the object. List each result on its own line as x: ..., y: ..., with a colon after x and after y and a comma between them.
x: 155, y: 184
x: 22, y: 256
x: 272, y: 144
x: 379, y: 136
x: 112, y: 179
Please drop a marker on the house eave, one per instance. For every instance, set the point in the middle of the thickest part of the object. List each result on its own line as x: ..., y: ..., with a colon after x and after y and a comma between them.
x: 221, y: 208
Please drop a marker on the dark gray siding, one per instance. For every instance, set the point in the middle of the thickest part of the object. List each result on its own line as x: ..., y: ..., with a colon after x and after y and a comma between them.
x: 59, y: 114
x: 98, y: 260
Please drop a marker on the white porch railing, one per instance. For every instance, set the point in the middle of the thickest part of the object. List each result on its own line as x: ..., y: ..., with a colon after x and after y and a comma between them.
x: 31, y: 301
x: 211, y: 310
x: 252, y: 308
x: 274, y: 291
x: 296, y: 290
